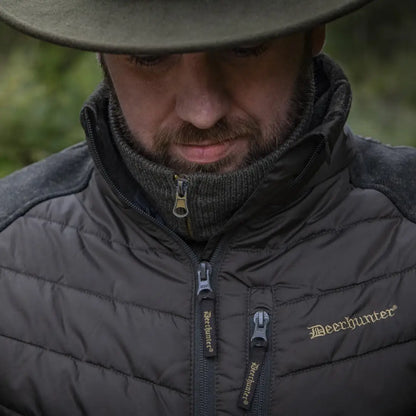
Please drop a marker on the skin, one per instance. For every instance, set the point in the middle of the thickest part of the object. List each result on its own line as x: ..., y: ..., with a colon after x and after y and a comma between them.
x: 211, y: 110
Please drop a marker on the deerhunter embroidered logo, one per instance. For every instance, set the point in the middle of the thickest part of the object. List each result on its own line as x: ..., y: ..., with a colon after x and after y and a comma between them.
x: 248, y: 385
x: 351, y: 323
x: 208, y: 331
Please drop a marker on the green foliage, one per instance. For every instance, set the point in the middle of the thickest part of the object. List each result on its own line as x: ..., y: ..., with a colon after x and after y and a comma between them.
x: 377, y: 48
x: 42, y: 86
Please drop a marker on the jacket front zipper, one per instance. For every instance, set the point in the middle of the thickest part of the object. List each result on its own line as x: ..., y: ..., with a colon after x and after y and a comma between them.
x: 204, y: 371
x: 205, y: 341
x: 206, y: 300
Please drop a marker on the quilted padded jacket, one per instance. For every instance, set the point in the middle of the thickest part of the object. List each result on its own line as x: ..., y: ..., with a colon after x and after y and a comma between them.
x: 304, y: 305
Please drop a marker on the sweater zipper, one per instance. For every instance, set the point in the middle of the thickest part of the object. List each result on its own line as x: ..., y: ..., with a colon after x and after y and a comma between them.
x: 204, y: 367
x: 252, y: 393
x: 180, y: 206
x: 97, y: 161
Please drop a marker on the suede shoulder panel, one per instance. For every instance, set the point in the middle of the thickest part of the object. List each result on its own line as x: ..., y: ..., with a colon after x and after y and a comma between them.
x: 388, y: 169
x: 61, y: 174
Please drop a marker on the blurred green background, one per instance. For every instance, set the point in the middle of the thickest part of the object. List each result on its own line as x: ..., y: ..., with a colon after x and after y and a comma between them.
x: 42, y: 86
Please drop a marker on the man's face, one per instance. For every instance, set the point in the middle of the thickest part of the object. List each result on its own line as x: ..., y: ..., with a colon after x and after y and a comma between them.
x: 212, y: 111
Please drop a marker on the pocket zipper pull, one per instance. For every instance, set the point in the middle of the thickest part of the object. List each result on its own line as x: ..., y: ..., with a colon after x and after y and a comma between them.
x: 180, y: 209
x: 206, y: 298
x: 258, y: 348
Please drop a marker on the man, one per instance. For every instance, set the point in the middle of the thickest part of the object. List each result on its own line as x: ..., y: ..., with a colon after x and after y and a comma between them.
x: 225, y: 245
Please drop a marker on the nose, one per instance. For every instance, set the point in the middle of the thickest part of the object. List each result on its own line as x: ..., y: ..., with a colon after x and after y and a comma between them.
x: 201, y: 97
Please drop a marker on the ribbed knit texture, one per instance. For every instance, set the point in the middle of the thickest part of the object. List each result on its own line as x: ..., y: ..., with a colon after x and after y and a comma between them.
x: 212, y: 198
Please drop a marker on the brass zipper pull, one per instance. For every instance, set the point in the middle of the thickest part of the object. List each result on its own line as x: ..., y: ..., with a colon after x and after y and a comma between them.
x: 180, y: 209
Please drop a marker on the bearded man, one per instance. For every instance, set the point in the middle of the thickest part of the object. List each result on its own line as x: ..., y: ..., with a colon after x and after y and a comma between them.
x: 222, y: 244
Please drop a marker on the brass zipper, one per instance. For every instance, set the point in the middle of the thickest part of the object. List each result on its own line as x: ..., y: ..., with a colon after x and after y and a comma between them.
x: 180, y: 208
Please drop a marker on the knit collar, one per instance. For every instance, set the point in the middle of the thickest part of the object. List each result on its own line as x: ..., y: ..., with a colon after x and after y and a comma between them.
x: 196, y: 206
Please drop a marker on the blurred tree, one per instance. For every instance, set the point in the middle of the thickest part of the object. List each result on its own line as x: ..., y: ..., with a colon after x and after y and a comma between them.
x: 376, y: 46
x: 42, y: 88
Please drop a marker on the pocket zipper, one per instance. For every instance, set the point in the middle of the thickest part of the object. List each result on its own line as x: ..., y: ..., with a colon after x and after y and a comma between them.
x: 258, y: 349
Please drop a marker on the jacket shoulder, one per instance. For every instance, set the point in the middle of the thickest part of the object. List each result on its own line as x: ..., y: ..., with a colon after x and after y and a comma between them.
x: 61, y: 174
x: 389, y: 169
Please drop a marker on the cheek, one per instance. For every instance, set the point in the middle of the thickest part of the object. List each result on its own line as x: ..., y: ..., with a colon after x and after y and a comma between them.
x: 142, y: 105
x: 269, y: 86
x: 145, y: 105
x: 268, y: 99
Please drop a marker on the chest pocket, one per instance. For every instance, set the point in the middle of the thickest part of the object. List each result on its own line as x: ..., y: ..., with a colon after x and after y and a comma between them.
x: 345, y: 323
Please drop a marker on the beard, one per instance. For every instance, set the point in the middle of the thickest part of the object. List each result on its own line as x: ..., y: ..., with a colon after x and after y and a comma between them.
x: 260, y: 143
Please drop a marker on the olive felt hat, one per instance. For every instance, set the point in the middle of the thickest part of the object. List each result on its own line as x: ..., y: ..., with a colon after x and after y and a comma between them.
x: 149, y: 26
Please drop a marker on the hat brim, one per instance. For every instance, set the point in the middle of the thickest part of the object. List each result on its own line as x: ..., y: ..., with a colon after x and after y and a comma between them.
x: 161, y: 26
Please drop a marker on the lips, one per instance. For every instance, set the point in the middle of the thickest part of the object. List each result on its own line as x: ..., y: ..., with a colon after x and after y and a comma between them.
x: 207, y: 152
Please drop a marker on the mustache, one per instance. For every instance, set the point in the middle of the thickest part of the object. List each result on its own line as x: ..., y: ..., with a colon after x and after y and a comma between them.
x: 221, y: 132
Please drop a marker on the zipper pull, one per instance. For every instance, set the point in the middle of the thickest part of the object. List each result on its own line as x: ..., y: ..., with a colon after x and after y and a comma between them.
x: 258, y: 348
x: 180, y: 209
x: 206, y: 298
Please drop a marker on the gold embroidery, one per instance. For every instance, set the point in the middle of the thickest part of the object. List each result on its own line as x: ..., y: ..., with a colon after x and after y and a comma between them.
x: 351, y: 323
x: 207, y: 330
x: 249, y: 381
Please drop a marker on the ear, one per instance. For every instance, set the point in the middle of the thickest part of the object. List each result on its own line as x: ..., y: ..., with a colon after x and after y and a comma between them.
x: 318, y: 34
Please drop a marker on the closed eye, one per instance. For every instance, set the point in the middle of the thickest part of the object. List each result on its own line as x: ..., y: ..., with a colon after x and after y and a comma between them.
x: 251, y: 50
x: 147, y: 60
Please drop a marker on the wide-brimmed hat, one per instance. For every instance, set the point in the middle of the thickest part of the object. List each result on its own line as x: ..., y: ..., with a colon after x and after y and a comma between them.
x: 148, y: 26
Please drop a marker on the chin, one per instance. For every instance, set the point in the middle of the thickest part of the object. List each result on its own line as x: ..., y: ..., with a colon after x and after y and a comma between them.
x: 222, y: 166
